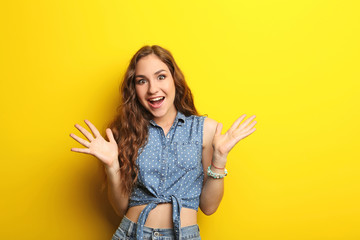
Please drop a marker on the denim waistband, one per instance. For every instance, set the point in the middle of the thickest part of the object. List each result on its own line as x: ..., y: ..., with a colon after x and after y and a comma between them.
x: 129, y: 227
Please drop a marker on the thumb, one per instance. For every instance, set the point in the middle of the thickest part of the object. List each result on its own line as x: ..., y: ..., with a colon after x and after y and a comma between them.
x: 110, y: 135
x: 219, y: 127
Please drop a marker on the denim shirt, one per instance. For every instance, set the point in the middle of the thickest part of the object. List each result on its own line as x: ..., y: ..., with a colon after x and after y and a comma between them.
x: 170, y: 169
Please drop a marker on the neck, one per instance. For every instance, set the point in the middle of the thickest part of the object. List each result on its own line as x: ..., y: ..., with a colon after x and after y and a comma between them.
x: 167, y: 120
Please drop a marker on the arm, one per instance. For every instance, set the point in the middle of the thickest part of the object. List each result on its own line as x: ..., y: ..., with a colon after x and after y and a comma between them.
x: 107, y: 153
x: 216, y: 147
x: 117, y: 199
x: 213, y: 189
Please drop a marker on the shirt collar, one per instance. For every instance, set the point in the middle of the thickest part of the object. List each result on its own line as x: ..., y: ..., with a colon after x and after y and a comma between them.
x: 180, y: 119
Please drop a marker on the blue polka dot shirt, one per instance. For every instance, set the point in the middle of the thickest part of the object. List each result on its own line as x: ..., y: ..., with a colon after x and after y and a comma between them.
x: 170, y: 169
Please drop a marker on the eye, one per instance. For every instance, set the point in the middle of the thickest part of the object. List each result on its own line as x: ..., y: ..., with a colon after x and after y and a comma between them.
x: 161, y: 77
x: 141, y: 81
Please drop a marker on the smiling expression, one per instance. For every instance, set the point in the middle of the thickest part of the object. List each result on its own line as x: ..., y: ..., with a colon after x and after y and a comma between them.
x: 155, y: 88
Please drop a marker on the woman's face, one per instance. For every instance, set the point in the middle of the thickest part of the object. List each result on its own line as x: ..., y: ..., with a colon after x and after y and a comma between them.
x: 155, y: 88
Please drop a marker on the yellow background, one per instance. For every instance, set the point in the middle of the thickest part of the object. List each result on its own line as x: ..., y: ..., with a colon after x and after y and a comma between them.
x: 293, y: 64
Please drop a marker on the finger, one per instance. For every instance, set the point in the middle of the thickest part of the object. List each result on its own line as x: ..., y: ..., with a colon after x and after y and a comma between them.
x: 81, y: 150
x: 236, y: 123
x: 251, y: 125
x: 219, y: 127
x: 93, y: 128
x: 110, y: 135
x: 245, y: 134
x: 244, y: 124
x: 88, y: 135
x: 80, y: 140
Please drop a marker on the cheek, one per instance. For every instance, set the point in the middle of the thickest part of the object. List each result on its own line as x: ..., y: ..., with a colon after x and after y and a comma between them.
x: 174, y: 91
x: 139, y: 93
x: 171, y: 87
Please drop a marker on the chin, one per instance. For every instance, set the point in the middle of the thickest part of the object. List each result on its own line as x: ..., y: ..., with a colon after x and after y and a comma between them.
x: 157, y: 114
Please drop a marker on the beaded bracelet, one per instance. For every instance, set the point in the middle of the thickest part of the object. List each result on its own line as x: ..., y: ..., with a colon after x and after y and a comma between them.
x: 215, y: 175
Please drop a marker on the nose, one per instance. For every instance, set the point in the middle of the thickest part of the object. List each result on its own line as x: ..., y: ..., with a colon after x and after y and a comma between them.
x: 153, y: 88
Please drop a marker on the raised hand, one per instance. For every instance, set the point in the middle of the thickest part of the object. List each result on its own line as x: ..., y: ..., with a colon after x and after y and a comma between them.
x: 105, y: 151
x: 223, y: 143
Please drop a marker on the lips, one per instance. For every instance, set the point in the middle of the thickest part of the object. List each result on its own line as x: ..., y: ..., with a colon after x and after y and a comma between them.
x: 156, y: 102
x: 155, y: 99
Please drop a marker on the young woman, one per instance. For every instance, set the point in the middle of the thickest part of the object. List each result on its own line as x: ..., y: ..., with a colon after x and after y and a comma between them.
x: 162, y: 159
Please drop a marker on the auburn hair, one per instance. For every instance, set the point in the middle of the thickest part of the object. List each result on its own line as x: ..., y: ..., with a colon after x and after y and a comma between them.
x: 130, y: 125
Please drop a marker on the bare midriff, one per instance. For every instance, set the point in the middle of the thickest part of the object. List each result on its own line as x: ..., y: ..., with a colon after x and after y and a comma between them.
x: 161, y: 216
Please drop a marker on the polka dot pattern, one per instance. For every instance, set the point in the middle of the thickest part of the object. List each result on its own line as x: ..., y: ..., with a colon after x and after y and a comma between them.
x: 170, y: 167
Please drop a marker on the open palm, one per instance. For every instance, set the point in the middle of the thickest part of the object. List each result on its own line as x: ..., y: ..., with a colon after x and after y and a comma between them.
x: 223, y: 143
x: 105, y: 151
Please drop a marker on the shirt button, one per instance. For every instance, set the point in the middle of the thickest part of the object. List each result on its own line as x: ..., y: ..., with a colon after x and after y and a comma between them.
x: 168, y: 136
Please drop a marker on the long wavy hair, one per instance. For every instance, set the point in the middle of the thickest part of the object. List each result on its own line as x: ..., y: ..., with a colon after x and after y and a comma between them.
x: 130, y: 126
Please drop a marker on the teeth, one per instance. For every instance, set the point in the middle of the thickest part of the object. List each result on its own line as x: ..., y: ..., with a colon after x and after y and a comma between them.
x: 156, y: 99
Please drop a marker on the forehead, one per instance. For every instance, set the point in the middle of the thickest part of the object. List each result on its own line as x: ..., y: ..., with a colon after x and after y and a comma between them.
x: 150, y: 64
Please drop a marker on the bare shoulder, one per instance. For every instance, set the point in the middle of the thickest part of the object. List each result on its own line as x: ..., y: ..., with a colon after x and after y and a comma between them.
x: 209, y: 131
x: 210, y: 124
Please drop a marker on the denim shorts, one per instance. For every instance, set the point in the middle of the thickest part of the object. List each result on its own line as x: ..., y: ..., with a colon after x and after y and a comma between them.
x: 127, y: 231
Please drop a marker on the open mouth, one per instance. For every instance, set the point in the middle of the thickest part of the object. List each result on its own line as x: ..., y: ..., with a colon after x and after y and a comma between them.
x: 156, y: 102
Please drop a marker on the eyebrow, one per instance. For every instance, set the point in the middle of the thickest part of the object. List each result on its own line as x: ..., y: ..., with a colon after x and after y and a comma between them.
x: 154, y: 73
